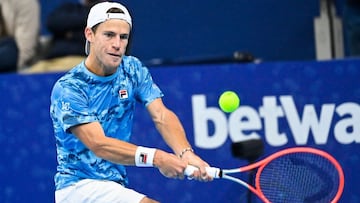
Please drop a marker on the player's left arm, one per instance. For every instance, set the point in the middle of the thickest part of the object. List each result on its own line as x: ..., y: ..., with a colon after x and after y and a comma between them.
x: 172, y: 131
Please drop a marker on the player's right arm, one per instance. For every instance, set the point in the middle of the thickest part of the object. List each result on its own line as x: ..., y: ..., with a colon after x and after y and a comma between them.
x: 93, y: 137
x: 120, y: 152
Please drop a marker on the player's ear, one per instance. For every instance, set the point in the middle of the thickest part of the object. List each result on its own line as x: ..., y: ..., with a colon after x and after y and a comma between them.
x: 88, y: 34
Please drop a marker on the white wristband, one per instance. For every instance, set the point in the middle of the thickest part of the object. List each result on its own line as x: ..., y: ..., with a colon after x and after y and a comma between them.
x: 144, y: 156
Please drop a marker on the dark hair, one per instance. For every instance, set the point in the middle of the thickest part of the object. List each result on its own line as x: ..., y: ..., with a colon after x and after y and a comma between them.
x: 111, y: 10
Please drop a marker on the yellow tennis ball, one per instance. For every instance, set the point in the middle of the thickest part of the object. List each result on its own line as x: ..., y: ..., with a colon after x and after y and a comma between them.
x: 229, y: 101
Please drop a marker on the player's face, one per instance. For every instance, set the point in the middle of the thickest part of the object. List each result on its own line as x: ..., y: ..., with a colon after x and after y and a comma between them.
x: 109, y: 42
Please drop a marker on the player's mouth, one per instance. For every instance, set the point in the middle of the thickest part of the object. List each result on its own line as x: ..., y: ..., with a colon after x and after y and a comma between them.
x: 115, y: 55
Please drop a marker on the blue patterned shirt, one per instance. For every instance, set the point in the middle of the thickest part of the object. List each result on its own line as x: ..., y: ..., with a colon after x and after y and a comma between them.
x: 82, y: 97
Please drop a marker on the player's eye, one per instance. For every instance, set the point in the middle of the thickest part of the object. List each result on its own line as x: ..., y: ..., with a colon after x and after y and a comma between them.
x: 109, y: 34
x: 124, y: 36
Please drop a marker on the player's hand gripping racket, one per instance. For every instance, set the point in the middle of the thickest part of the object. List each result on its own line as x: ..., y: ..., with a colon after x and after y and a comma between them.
x: 299, y: 174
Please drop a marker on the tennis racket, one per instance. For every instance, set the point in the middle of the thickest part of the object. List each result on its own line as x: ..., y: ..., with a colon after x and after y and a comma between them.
x: 299, y: 174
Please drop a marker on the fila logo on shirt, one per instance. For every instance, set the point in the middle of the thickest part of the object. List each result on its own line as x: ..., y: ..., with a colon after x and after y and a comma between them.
x: 123, y: 94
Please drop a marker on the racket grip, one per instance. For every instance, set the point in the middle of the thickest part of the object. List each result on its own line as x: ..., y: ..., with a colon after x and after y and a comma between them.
x: 211, y: 171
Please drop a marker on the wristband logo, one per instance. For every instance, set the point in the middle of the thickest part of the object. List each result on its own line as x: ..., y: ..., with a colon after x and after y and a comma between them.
x: 278, y: 123
x: 143, y: 157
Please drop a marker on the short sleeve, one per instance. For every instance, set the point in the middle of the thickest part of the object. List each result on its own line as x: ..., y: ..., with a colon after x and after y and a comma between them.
x: 70, y: 106
x: 147, y: 90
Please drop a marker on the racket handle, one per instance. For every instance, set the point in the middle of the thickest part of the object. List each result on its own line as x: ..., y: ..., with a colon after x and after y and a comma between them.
x: 211, y: 171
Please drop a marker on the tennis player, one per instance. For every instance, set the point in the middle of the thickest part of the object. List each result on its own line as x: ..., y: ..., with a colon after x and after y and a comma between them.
x: 92, y: 109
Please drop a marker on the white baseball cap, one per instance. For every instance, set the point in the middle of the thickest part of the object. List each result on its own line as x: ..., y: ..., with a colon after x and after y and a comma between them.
x: 98, y: 14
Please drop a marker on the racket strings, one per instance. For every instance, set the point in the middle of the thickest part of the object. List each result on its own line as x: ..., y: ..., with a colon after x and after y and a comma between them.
x: 299, y: 176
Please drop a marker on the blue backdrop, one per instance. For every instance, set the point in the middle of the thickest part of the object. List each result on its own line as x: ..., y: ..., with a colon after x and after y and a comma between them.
x: 316, y: 104
x: 269, y: 29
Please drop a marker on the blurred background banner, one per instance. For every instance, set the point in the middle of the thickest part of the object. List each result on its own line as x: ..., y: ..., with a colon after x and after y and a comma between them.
x: 285, y: 104
x: 271, y: 30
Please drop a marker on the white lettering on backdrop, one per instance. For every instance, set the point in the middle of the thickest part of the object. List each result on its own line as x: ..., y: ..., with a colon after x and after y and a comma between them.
x: 247, y: 122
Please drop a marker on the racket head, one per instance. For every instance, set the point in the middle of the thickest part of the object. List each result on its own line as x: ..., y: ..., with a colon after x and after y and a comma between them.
x: 300, y: 174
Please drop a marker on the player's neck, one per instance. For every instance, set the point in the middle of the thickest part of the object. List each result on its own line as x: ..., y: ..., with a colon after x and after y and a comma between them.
x: 98, y: 68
